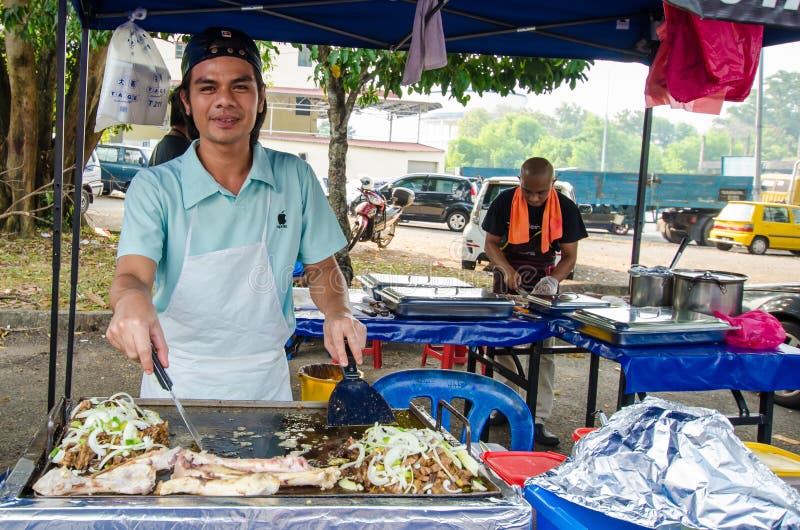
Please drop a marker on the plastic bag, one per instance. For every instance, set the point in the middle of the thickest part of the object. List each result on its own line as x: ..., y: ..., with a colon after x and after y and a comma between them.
x: 136, y: 80
x: 757, y: 330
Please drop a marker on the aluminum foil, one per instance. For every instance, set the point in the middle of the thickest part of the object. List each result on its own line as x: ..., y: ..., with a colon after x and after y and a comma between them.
x: 664, y: 465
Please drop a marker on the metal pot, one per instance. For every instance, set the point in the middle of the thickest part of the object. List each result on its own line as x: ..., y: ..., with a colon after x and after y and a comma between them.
x: 708, y: 291
x: 650, y: 286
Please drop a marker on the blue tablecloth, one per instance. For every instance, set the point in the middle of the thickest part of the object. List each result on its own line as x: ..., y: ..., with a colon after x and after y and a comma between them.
x: 489, y: 332
x: 696, y: 366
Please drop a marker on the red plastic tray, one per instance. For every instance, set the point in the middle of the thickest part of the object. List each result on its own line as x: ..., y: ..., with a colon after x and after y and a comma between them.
x: 516, y: 466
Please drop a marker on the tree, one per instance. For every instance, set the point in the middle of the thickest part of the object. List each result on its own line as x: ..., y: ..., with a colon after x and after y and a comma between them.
x: 27, y: 109
x: 353, y: 76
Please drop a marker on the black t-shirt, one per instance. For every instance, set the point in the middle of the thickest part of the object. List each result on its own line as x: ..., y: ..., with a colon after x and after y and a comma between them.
x: 498, y: 218
x: 171, y: 146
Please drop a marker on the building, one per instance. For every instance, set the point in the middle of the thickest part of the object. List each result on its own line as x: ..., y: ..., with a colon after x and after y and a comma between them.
x: 295, y: 110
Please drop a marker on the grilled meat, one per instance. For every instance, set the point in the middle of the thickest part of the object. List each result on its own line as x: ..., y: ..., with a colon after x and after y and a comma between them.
x: 244, y: 485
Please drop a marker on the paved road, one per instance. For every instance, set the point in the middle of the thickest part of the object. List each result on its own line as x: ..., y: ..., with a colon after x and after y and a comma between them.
x: 602, y: 250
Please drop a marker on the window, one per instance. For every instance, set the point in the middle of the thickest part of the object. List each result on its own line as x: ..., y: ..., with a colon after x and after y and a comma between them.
x: 444, y: 186
x: 107, y: 154
x: 796, y: 215
x: 493, y: 191
x: 304, y: 56
x: 414, y: 183
x: 302, y: 106
x: 134, y: 156
x: 776, y: 214
x: 180, y: 47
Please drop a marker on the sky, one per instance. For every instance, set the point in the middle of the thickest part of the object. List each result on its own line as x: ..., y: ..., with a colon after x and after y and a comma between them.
x: 610, y: 87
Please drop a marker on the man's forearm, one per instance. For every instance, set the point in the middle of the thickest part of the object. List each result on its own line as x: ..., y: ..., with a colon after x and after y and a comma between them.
x: 328, y: 288
x: 124, y: 285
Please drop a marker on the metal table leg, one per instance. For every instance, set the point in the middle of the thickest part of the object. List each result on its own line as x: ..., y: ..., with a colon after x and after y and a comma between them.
x: 591, y: 394
x: 766, y: 403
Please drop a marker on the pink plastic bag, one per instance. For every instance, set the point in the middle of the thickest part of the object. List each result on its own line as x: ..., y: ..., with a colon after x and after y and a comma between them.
x: 757, y: 330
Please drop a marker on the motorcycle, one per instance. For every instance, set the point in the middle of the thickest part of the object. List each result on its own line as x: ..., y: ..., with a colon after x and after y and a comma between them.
x: 375, y: 219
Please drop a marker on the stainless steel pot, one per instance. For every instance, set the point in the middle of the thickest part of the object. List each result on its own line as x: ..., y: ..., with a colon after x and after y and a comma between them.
x: 708, y: 291
x: 650, y: 286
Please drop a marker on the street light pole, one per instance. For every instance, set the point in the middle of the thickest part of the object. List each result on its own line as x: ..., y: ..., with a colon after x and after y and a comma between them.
x: 759, y: 105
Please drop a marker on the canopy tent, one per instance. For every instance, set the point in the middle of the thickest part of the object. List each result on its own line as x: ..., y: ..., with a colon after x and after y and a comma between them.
x: 622, y: 30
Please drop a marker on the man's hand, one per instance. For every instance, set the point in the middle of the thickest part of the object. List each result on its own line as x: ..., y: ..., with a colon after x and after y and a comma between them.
x: 547, y: 286
x: 343, y: 326
x: 133, y: 327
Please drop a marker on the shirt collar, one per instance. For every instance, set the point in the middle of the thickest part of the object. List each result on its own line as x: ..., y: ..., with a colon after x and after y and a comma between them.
x: 198, y: 184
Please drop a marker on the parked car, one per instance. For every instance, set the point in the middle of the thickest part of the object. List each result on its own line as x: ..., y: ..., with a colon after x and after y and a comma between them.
x: 438, y: 198
x: 92, y: 183
x: 120, y: 163
x: 757, y: 226
x: 783, y: 302
x: 472, y: 250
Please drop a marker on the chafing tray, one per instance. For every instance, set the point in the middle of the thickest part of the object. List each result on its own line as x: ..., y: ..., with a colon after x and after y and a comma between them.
x: 245, y: 429
x: 562, y: 302
x: 642, y: 326
x: 445, y: 302
x: 373, y: 282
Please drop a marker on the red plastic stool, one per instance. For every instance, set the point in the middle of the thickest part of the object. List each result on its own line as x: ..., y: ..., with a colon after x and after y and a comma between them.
x: 374, y: 348
x: 447, y: 353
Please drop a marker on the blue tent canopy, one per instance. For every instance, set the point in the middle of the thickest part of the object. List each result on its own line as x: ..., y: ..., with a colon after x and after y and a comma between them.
x: 620, y: 30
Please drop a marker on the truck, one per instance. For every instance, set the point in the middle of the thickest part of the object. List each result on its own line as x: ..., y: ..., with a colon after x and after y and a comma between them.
x: 685, y: 204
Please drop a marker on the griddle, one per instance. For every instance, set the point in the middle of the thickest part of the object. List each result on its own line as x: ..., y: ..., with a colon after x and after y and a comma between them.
x: 243, y: 429
x: 445, y: 302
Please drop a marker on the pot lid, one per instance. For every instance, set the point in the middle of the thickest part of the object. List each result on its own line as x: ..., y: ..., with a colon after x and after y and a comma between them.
x: 704, y: 275
x: 641, y: 270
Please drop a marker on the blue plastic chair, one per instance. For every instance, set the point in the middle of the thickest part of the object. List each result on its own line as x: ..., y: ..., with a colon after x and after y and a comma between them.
x: 483, y: 394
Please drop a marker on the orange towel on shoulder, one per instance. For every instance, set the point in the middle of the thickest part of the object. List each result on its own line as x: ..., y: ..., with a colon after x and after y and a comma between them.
x: 519, y: 226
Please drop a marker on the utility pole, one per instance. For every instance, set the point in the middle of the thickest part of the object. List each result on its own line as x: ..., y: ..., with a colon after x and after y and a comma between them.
x: 759, y: 105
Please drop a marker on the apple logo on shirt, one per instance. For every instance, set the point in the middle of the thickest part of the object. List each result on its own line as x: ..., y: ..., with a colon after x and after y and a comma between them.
x: 282, y: 219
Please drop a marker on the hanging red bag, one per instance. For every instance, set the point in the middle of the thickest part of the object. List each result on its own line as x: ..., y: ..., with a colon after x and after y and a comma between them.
x: 758, y: 330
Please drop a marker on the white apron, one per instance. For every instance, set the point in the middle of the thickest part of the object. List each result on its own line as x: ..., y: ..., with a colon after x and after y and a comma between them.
x: 225, y: 327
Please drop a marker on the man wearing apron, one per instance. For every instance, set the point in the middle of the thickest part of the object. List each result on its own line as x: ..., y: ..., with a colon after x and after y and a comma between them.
x: 525, y: 227
x: 217, y: 232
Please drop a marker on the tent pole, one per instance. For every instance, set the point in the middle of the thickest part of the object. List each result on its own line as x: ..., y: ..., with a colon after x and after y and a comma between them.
x: 641, y: 190
x: 58, y: 181
x: 80, y: 139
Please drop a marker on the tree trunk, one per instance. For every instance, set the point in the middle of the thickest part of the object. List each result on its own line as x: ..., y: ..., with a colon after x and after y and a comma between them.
x: 22, y: 156
x: 338, y: 116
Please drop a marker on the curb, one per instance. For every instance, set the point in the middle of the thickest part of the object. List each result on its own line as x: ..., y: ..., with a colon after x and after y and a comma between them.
x: 91, y: 321
x: 40, y: 320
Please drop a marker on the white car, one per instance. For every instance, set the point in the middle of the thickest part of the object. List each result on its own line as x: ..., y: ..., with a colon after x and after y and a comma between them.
x: 92, y: 183
x: 472, y: 242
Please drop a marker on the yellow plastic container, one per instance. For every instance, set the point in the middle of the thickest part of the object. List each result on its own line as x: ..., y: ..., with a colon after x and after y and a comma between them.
x: 318, y: 380
x: 782, y: 463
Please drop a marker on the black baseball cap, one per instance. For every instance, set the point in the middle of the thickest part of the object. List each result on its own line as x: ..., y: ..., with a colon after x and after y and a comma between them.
x: 220, y: 42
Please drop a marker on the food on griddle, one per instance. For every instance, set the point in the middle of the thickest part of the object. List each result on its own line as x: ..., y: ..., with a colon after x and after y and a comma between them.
x: 238, y: 486
x: 137, y: 476
x: 289, y: 470
x: 395, y: 460
x: 206, y: 474
x: 103, y: 433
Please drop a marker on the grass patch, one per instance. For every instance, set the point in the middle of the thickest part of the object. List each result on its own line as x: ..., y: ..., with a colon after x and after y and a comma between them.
x: 26, y: 280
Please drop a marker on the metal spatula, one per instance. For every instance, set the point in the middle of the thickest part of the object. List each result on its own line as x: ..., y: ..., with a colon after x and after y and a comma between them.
x: 354, y: 402
x: 166, y: 383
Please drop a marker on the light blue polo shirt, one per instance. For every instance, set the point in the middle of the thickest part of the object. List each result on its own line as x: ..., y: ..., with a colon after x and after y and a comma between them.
x: 161, y: 200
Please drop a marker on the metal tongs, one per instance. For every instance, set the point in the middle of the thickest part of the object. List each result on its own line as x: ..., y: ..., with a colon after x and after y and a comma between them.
x: 166, y: 383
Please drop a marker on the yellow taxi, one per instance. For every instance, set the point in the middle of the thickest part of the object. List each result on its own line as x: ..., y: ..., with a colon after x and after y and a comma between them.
x: 757, y: 226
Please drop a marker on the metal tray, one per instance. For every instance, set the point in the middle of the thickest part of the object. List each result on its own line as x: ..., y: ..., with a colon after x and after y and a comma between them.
x: 371, y: 283
x: 643, y: 326
x: 217, y: 421
x: 562, y: 302
x: 445, y: 302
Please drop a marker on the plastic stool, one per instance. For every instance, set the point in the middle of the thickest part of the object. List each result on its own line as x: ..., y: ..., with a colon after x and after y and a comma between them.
x: 374, y: 348
x: 447, y: 353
